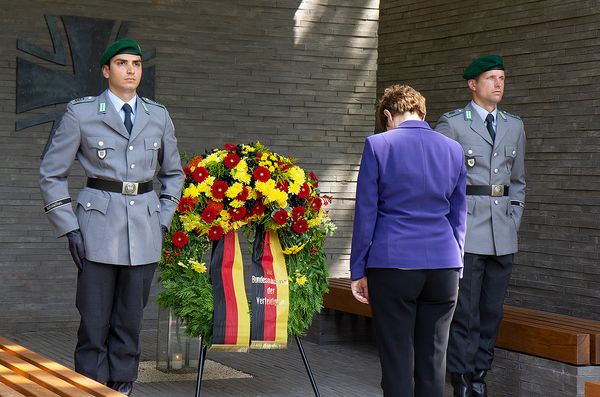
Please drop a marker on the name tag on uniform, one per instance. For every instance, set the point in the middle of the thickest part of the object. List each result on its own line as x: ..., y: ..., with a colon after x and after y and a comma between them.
x: 101, y: 154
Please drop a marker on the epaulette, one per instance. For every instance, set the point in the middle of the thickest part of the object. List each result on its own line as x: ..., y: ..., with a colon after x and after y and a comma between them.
x: 151, y: 102
x: 504, y: 113
x: 454, y: 113
x: 84, y: 99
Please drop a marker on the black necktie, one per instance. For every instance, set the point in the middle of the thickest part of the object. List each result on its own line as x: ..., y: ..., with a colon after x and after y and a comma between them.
x: 128, y: 124
x: 490, y: 125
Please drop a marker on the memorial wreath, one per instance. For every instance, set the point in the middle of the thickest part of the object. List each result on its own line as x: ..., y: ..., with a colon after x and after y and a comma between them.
x: 251, y: 188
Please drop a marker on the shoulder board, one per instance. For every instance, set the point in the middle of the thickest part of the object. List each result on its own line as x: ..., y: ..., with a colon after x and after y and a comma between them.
x: 454, y: 113
x: 84, y: 99
x: 151, y: 102
x: 504, y: 114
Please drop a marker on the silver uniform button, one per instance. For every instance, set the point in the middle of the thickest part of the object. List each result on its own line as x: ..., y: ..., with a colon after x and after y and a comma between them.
x: 131, y: 202
x: 495, y: 170
x: 496, y: 202
x: 514, y: 152
x: 155, y: 144
x: 469, y: 151
x: 88, y: 205
x: 158, y: 206
x: 495, y: 154
x: 132, y: 165
x: 101, y: 143
x: 130, y: 147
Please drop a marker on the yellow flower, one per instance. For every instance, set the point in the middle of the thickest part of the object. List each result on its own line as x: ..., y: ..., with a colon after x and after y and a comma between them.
x: 190, y: 221
x: 191, y: 191
x: 294, y: 188
x: 297, y: 174
x: 313, y: 222
x: 182, y: 264
x: 215, y: 157
x: 294, y: 249
x: 234, y: 190
x: 224, y: 215
x: 301, y: 279
x: 197, y: 266
x: 204, y: 187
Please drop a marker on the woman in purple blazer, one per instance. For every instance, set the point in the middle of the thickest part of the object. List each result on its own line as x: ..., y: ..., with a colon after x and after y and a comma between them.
x: 407, y: 243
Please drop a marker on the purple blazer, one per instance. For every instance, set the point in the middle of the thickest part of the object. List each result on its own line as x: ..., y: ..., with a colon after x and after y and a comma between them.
x: 410, y: 201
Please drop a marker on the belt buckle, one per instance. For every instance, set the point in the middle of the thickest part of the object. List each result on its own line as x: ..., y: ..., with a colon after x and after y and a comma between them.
x: 130, y: 188
x: 497, y: 190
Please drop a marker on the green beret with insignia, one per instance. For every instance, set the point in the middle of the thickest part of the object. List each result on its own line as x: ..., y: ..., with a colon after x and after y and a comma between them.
x: 483, y: 64
x: 121, y: 46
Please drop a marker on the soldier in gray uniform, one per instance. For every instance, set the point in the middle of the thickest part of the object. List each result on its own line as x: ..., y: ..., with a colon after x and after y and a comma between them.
x: 494, y: 145
x: 116, y: 230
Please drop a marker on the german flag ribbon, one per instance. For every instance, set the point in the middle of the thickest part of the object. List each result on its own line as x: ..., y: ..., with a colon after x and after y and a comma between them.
x: 231, y: 322
x: 270, y: 292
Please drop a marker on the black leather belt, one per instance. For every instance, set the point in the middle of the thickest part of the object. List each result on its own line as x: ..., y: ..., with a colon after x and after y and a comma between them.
x: 487, y: 190
x: 128, y: 188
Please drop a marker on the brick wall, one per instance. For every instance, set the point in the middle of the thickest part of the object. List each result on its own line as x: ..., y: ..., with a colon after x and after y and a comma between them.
x: 551, y: 50
x: 299, y: 76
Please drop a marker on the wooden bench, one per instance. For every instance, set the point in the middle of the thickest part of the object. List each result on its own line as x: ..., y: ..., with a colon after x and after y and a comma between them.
x: 557, y: 337
x: 24, y: 373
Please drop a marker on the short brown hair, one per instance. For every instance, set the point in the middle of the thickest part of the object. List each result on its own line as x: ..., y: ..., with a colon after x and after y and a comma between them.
x: 399, y: 98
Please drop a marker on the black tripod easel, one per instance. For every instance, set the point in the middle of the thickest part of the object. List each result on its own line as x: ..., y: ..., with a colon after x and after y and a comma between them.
x: 302, y: 353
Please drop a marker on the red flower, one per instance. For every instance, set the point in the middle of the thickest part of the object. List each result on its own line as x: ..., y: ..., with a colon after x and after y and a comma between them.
x: 230, y: 146
x: 304, y: 191
x: 243, y: 196
x: 187, y: 171
x: 300, y: 226
x: 313, y: 250
x: 298, y: 212
x: 215, y: 232
x: 209, y: 214
x: 313, y: 178
x: 283, y: 186
x: 179, y: 239
x: 280, y: 217
x: 231, y: 160
x: 215, y: 204
x: 258, y: 209
x: 283, y: 166
x: 218, y: 189
x: 186, y: 204
x: 258, y: 155
x: 237, y: 214
x: 261, y: 174
x: 315, y: 203
x: 200, y: 174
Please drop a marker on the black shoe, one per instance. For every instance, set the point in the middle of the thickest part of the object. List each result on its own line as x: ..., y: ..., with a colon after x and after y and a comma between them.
x: 479, y: 388
x: 461, y: 384
x: 121, y: 387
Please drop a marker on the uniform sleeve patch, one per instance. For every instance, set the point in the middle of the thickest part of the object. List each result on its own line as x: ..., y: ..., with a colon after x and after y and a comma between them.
x: 169, y: 197
x: 517, y: 203
x: 57, y: 203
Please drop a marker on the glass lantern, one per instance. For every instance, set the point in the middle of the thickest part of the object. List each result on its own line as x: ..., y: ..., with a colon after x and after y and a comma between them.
x: 175, y: 352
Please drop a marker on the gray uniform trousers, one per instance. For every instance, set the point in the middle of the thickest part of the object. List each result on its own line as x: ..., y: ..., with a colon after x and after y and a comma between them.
x: 111, y: 300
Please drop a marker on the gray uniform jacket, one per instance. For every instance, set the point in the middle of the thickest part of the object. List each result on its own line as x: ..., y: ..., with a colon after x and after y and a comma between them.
x: 117, y: 229
x: 492, y: 222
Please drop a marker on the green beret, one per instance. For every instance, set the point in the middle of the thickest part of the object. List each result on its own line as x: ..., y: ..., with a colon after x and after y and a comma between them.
x: 483, y: 64
x: 121, y: 46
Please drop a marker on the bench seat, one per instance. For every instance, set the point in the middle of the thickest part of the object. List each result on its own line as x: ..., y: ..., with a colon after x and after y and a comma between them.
x: 25, y: 373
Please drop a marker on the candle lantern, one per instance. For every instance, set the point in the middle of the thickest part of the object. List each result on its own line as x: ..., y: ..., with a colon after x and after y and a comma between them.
x: 175, y: 350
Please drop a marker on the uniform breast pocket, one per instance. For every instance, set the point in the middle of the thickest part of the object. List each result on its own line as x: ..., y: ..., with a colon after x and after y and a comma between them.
x: 101, y: 149
x: 510, y: 152
x: 473, y: 155
x: 152, y: 146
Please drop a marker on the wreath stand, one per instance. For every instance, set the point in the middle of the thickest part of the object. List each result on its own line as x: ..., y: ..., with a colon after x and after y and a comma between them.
x: 302, y: 353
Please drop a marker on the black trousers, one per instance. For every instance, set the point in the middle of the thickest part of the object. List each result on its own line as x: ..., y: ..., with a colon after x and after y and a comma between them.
x: 478, y: 312
x: 111, y: 301
x: 412, y: 310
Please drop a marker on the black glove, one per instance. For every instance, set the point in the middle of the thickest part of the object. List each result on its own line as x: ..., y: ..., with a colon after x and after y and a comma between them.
x: 163, y: 230
x: 76, y: 247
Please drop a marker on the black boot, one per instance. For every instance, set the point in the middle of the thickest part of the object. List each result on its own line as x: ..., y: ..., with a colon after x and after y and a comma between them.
x: 478, y: 383
x: 121, y: 387
x: 461, y: 384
